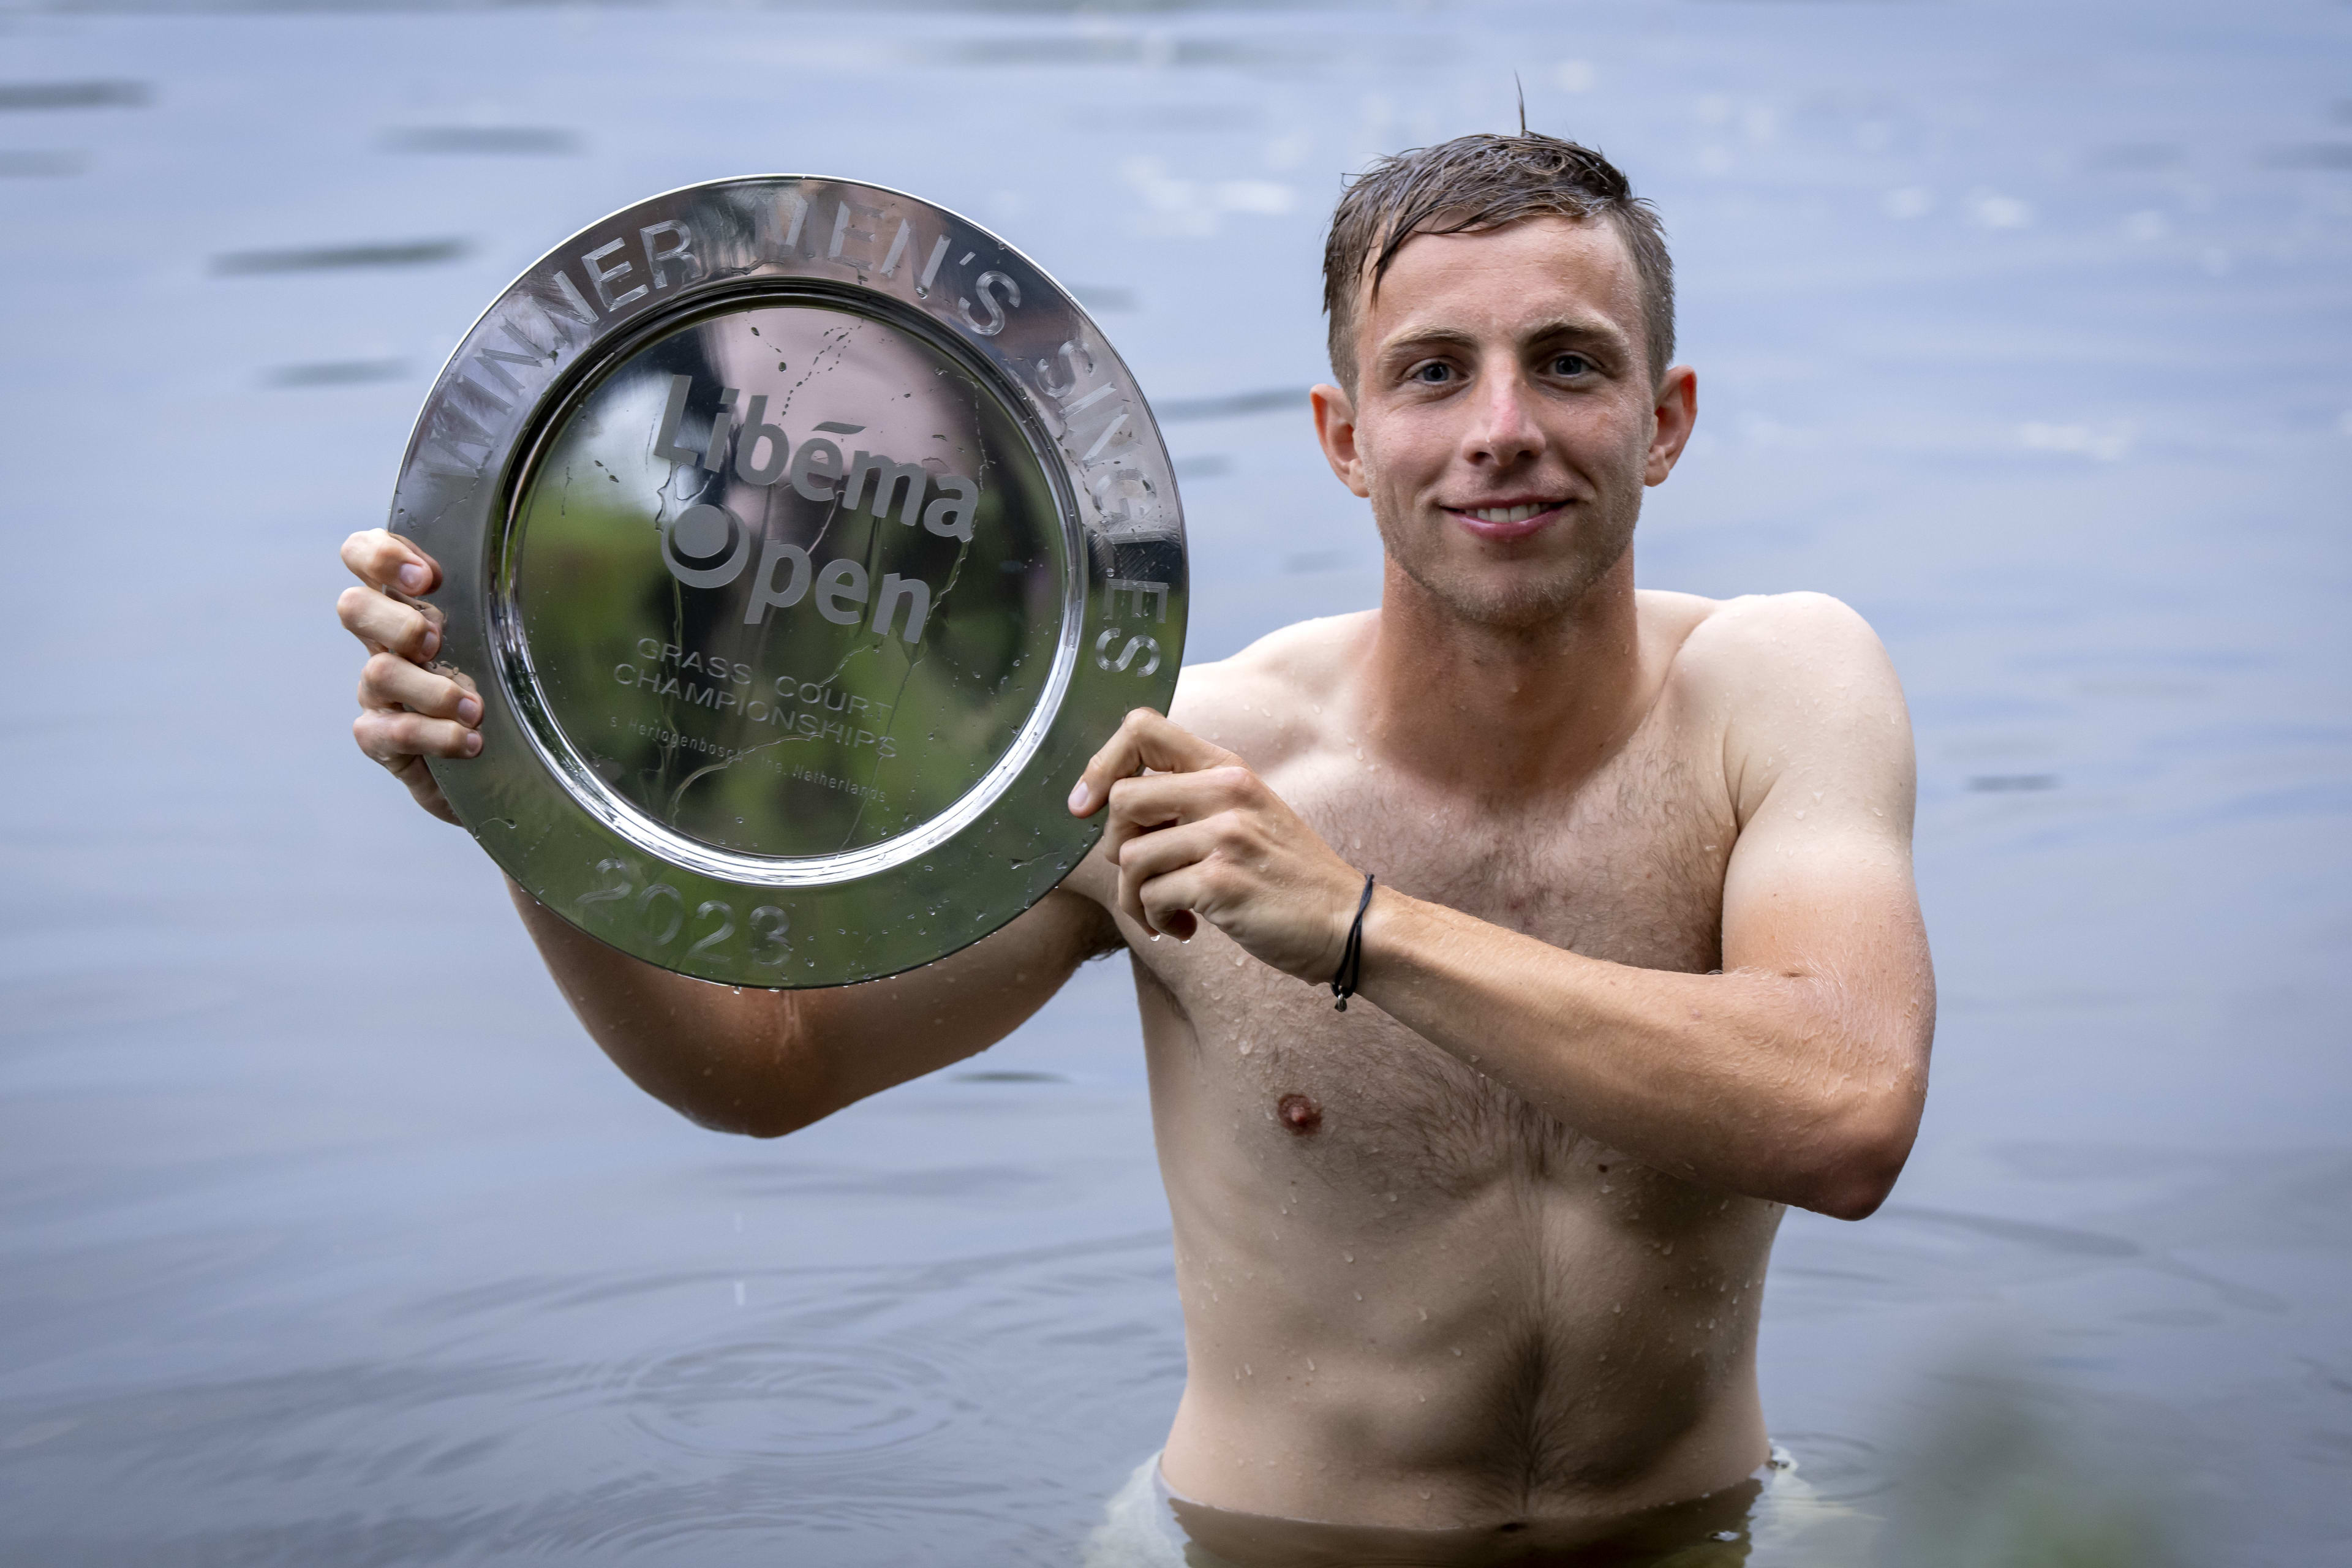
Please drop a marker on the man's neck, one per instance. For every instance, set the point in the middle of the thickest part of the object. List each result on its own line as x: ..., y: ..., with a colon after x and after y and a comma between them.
x: 1504, y: 710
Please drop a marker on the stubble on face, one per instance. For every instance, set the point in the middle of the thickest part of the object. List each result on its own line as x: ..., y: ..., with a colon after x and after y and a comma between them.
x: 1493, y: 311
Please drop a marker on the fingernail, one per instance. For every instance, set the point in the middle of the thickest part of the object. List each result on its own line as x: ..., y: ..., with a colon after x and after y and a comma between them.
x: 1079, y: 798
x: 468, y: 709
x: 432, y: 642
x: 473, y: 742
x: 412, y: 577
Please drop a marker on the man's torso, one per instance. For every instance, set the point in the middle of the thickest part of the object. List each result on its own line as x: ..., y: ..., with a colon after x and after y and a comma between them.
x: 1409, y: 1297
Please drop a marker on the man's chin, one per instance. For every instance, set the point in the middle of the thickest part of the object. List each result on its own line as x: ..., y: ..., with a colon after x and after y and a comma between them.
x: 1516, y: 605
x: 1522, y: 596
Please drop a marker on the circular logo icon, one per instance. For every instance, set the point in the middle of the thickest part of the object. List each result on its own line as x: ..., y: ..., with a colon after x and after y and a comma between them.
x: 699, y: 535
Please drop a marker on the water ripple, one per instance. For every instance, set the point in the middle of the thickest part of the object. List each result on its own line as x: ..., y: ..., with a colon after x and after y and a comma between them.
x: 749, y: 1396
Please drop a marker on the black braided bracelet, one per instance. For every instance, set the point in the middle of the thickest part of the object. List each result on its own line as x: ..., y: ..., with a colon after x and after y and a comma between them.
x: 1351, y: 957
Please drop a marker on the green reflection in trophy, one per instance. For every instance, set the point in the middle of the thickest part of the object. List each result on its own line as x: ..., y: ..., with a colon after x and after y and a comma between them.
x: 864, y: 575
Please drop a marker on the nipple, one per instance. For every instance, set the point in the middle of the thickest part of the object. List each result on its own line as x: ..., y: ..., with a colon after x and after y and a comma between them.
x: 1301, y: 1115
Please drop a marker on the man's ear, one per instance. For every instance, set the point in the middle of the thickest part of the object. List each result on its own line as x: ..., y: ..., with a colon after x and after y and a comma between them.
x: 1676, y: 413
x: 1335, y: 427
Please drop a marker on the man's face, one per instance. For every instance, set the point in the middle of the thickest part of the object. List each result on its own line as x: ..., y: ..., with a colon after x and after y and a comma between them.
x: 1504, y: 418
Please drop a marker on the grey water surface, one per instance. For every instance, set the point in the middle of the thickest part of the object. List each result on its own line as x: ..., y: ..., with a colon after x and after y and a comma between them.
x: 329, y: 1239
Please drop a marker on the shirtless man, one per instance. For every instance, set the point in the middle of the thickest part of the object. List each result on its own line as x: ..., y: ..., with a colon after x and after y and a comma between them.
x: 1641, y: 965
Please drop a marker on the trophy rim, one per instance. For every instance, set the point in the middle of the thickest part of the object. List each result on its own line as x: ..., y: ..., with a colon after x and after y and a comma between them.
x: 615, y: 870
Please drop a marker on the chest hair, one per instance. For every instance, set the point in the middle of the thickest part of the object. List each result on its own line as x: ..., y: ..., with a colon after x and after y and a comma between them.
x: 1628, y: 869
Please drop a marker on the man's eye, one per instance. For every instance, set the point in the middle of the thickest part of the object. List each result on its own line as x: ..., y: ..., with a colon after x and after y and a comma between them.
x: 1570, y: 365
x: 1434, y: 373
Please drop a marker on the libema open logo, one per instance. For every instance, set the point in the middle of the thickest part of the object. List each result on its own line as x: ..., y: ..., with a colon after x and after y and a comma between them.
x: 708, y: 546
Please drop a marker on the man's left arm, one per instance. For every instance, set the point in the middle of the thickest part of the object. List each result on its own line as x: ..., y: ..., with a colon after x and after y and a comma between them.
x: 1797, y: 1074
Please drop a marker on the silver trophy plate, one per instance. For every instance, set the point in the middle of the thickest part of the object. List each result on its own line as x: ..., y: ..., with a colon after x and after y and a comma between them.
x: 803, y: 539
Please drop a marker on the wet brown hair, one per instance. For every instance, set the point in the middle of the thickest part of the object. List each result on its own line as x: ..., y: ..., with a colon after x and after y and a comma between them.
x: 1484, y: 182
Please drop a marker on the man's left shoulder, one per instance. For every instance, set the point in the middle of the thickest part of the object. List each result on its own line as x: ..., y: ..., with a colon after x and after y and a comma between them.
x: 1799, y: 684
x: 1774, y: 647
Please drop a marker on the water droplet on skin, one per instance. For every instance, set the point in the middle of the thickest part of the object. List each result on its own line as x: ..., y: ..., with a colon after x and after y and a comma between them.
x: 1424, y: 1313
x: 1348, y: 1255
x: 1457, y: 1349
x: 1310, y: 1363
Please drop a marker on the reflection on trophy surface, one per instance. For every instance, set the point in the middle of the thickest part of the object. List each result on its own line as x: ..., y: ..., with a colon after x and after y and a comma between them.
x: 863, y: 572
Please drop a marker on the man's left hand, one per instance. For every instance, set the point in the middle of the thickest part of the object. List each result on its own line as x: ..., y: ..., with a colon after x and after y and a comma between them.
x: 1200, y: 837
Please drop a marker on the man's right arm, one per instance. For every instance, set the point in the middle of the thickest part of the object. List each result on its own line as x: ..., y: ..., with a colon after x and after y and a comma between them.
x: 771, y: 1062
x: 761, y: 1062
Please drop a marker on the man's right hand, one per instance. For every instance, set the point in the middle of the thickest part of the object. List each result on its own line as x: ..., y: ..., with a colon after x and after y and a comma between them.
x: 409, y: 710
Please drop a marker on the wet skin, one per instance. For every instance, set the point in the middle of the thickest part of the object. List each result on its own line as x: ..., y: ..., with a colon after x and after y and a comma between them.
x: 1487, y: 1246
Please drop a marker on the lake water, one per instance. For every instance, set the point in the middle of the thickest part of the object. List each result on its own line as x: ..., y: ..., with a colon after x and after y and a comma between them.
x: 328, y: 1238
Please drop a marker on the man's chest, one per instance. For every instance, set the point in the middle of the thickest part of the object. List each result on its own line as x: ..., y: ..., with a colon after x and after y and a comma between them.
x: 1627, y: 868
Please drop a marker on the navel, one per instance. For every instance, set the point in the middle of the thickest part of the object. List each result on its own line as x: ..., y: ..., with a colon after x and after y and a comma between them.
x: 1301, y: 1115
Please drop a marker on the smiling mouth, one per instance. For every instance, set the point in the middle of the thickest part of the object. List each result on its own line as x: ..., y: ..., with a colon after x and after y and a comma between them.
x: 1505, y: 514
x: 1510, y: 520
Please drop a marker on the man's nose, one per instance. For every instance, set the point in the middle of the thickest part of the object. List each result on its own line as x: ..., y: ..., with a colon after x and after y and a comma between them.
x: 1503, y: 429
